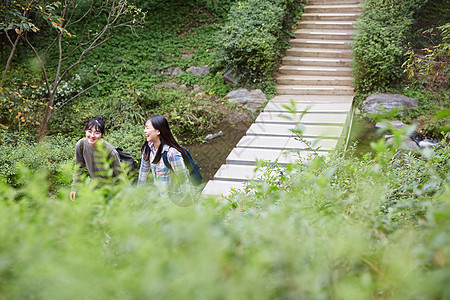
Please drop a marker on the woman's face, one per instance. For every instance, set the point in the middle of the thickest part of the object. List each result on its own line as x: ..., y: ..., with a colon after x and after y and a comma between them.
x: 151, y: 133
x: 93, y: 135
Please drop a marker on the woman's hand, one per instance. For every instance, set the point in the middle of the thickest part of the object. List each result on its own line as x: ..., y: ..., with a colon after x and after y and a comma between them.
x: 73, y: 195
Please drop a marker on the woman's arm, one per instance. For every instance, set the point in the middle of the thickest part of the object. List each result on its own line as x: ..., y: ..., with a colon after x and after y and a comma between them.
x: 177, y: 163
x: 80, y: 163
x: 143, y: 171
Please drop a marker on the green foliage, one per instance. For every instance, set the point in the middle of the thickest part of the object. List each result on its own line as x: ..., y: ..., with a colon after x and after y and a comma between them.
x: 19, y: 151
x: 380, y: 44
x: 251, y: 42
x: 430, y: 103
x: 17, y: 15
x: 189, y: 115
x: 130, y: 64
x: 431, y: 68
x: 340, y: 228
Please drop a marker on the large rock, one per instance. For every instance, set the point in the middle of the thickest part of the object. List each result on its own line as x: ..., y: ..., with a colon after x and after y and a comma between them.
x: 407, y: 145
x: 389, y: 102
x: 231, y: 77
x: 251, y: 99
x: 176, y: 71
x: 170, y: 71
x: 199, y: 71
x: 396, y: 124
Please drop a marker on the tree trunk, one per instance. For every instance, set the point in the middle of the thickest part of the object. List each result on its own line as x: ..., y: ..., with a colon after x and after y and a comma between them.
x: 8, y: 62
x: 47, y: 115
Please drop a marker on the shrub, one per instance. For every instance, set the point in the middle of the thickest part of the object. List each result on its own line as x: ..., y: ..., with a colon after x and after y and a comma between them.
x: 381, y: 42
x: 50, y: 154
x: 251, y: 42
x: 324, y: 232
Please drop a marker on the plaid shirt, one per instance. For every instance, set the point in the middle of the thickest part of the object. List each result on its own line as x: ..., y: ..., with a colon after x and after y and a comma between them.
x: 161, y: 174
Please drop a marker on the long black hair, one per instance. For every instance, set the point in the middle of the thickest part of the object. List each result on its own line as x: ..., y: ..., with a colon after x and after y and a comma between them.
x: 96, y: 123
x: 165, y: 136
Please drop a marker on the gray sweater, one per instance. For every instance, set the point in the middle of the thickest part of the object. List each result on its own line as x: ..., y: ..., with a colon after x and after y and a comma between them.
x: 87, y: 157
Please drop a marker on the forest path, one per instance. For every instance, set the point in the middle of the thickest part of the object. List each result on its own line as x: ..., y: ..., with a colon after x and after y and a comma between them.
x: 316, y: 77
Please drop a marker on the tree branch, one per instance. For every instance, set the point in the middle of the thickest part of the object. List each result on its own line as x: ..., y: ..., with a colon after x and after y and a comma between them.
x: 82, y: 17
x: 44, y: 72
x: 81, y: 56
x: 83, y: 91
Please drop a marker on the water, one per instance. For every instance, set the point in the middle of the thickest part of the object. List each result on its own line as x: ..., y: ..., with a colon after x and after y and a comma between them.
x: 363, y: 133
x: 213, y: 153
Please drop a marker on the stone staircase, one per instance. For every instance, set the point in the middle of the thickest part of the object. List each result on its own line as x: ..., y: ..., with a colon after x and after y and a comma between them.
x: 315, y: 76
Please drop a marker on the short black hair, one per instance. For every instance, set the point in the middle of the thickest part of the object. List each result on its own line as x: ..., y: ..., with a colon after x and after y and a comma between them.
x: 97, y: 123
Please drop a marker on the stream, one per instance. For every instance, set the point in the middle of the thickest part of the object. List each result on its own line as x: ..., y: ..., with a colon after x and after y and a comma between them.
x: 211, y: 154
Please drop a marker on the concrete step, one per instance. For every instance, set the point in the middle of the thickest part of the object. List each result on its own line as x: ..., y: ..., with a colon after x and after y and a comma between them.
x: 325, y: 34
x: 307, y: 118
x: 325, y: 8
x: 287, y: 143
x: 249, y: 157
x: 314, y: 90
x: 319, y: 52
x: 314, y: 80
x: 330, y: 16
x: 319, y: 43
x: 238, y: 173
x: 316, y: 25
x: 332, y: 2
x: 279, y: 105
x: 315, y: 71
x: 308, y: 131
x: 312, y: 99
x: 317, y: 61
x: 224, y: 188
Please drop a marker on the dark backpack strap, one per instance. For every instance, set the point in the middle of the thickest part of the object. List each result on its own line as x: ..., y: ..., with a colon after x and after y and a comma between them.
x: 166, y: 160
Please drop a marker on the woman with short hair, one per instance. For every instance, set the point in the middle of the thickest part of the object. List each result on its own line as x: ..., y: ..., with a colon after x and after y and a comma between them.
x: 87, y: 155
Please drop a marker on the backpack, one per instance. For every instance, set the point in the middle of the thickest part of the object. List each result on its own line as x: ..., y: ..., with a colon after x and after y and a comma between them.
x: 125, y: 157
x: 128, y: 159
x: 194, y: 170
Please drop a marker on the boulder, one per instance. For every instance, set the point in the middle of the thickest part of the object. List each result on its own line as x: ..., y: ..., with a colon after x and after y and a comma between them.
x: 251, y: 99
x: 199, y: 71
x: 396, y: 124
x: 213, y: 135
x: 425, y: 143
x: 407, y: 145
x: 177, y: 71
x: 170, y: 71
x: 231, y: 77
x: 389, y: 102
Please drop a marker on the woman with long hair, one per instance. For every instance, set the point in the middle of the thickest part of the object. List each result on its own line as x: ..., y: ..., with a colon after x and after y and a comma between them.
x: 87, y: 154
x: 159, y: 139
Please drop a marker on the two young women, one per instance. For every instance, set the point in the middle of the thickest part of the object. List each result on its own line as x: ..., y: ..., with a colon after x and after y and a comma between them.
x: 159, y: 142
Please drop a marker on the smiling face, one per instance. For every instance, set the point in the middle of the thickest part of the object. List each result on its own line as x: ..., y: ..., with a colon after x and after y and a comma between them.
x: 151, y: 134
x: 93, y: 135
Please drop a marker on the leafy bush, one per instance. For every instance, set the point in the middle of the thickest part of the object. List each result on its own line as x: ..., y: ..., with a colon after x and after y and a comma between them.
x: 381, y: 42
x: 430, y: 105
x: 330, y: 229
x: 20, y: 151
x: 430, y: 70
x: 251, y: 42
x: 189, y: 115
